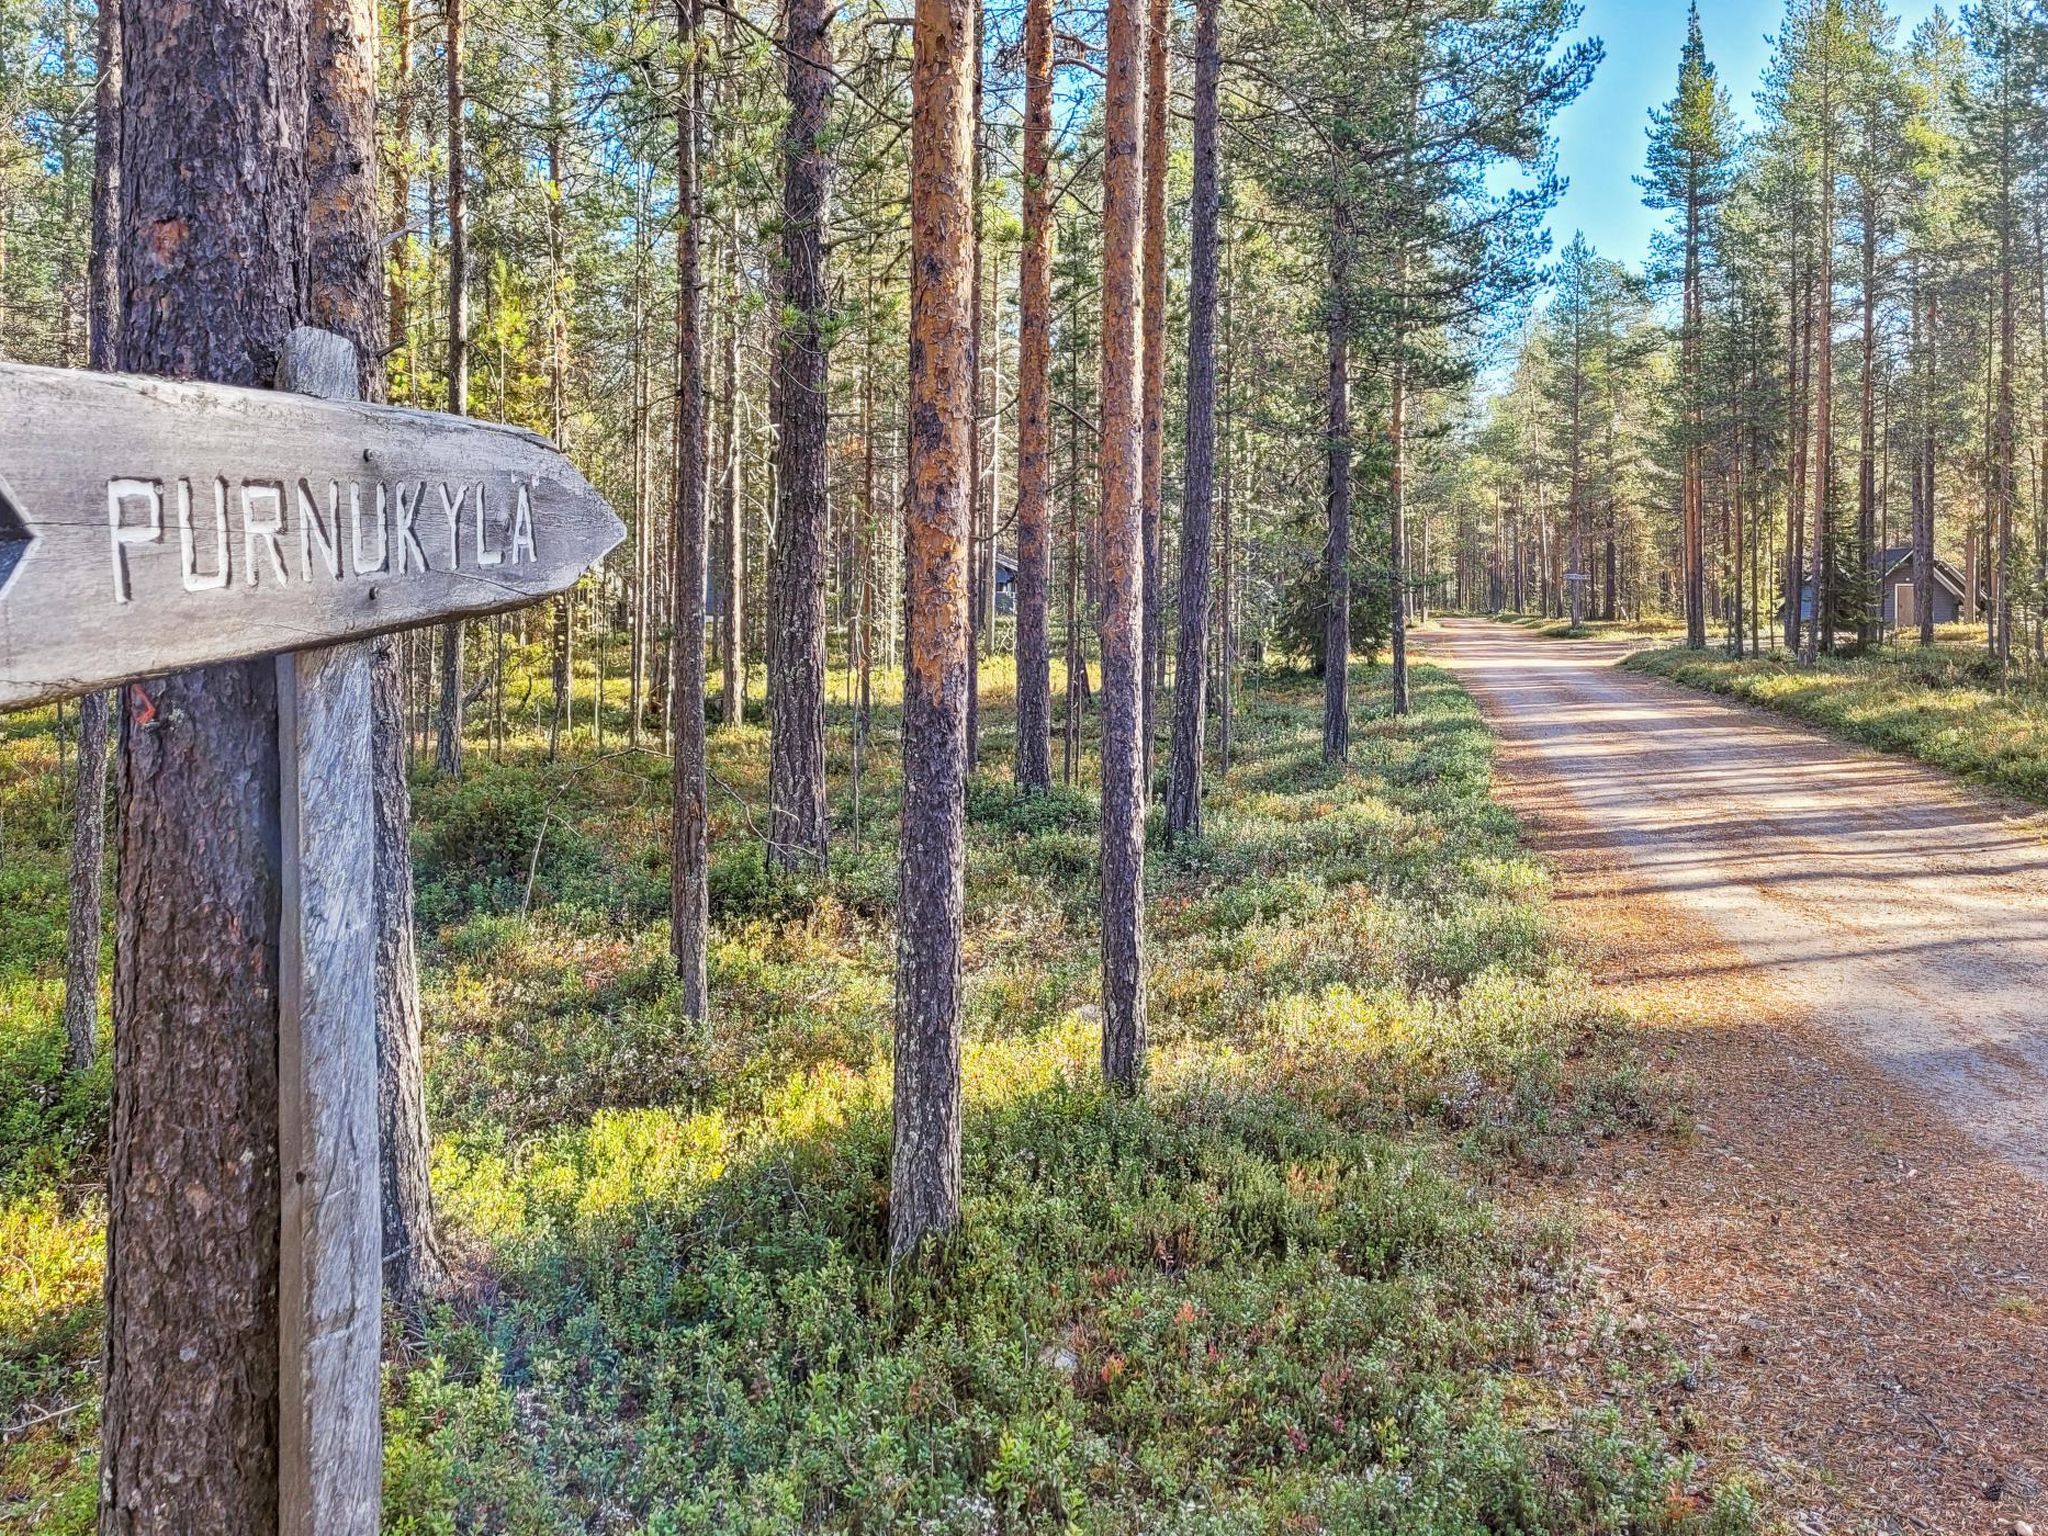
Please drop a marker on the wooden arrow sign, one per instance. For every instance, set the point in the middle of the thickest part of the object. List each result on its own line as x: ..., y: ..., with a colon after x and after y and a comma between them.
x: 149, y: 526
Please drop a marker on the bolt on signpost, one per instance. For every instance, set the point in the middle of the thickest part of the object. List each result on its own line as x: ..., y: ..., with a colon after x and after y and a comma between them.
x: 147, y: 527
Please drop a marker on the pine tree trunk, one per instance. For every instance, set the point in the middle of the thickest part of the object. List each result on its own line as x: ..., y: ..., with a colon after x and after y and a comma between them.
x: 1821, y: 635
x: 689, y: 890
x: 1153, y: 397
x: 448, y: 745
x: 1800, y: 367
x: 732, y: 643
x: 1226, y: 637
x: 641, y: 571
x: 1337, y: 544
x: 2005, y: 467
x: 1397, y: 453
x: 924, y: 1197
x: 1397, y: 505
x: 976, y: 516
x: 398, y: 300
x: 1034, y: 413
x: 1872, y: 607
x: 1695, y: 543
x: 1191, y: 667
x: 1123, y: 556
x: 798, y: 825
x: 212, y: 276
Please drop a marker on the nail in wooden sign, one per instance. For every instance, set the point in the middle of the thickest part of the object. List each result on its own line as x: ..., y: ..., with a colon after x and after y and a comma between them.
x: 148, y: 526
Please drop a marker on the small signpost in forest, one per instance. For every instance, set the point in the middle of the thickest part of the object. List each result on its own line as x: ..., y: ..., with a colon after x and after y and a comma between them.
x: 148, y: 527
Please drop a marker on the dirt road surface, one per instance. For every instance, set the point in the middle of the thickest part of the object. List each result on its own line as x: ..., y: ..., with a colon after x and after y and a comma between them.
x: 1847, y: 957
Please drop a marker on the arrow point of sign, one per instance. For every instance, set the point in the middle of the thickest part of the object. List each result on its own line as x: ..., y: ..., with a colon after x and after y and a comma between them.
x: 15, y: 536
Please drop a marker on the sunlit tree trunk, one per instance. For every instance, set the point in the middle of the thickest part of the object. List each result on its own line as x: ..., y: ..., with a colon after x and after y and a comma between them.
x: 213, y: 266
x: 1123, y: 555
x: 1153, y: 397
x: 1191, y: 666
x: 925, y: 1157
x: 448, y: 748
x: 689, y: 898
x: 798, y: 824
x: 1337, y: 543
x: 1034, y: 412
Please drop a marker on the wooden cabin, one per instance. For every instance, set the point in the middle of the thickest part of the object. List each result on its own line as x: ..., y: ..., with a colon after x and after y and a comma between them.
x: 1895, y: 591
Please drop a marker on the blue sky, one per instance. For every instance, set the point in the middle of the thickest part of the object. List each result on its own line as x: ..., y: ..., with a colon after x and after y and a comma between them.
x: 1601, y: 136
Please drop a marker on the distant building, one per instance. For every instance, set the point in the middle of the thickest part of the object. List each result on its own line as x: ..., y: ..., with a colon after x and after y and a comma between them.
x: 1895, y: 590
x: 1006, y: 585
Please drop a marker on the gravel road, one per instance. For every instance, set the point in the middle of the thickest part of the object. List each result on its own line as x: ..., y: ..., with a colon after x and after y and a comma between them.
x: 1905, y: 912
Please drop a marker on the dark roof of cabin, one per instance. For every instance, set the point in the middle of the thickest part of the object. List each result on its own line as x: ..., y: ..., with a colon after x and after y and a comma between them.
x: 1889, y: 560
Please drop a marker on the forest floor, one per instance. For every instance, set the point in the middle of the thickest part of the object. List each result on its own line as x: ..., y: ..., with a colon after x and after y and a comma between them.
x: 1293, y: 1287
x: 1842, y: 953
x: 1950, y: 704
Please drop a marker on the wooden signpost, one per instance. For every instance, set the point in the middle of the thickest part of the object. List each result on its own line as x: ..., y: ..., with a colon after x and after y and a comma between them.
x: 147, y: 527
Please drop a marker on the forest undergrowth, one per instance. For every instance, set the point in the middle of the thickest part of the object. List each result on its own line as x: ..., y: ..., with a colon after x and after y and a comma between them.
x: 1284, y: 1290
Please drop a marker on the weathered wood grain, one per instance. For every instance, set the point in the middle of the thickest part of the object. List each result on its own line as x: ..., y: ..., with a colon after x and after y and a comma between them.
x: 152, y: 526
x: 330, y: 1278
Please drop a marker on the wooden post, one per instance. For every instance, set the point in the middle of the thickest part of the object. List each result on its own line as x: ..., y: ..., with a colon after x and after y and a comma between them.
x: 330, y: 1445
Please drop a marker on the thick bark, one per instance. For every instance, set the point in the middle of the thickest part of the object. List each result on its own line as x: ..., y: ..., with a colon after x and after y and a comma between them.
x: 1154, y: 387
x: 689, y: 889
x: 1034, y: 412
x: 1191, y: 665
x: 397, y: 316
x: 345, y: 246
x: 1337, y: 545
x: 1123, y: 557
x: 925, y: 1160
x: 448, y: 744
x: 213, y: 261
x: 798, y: 826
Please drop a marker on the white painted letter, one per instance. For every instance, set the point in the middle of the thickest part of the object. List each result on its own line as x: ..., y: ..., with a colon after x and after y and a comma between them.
x: 453, y: 511
x: 312, y: 530
x: 485, y: 555
x: 522, y: 529
x: 188, y: 559
x: 408, y: 541
x: 365, y: 567
x: 118, y: 492
x: 266, y: 529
